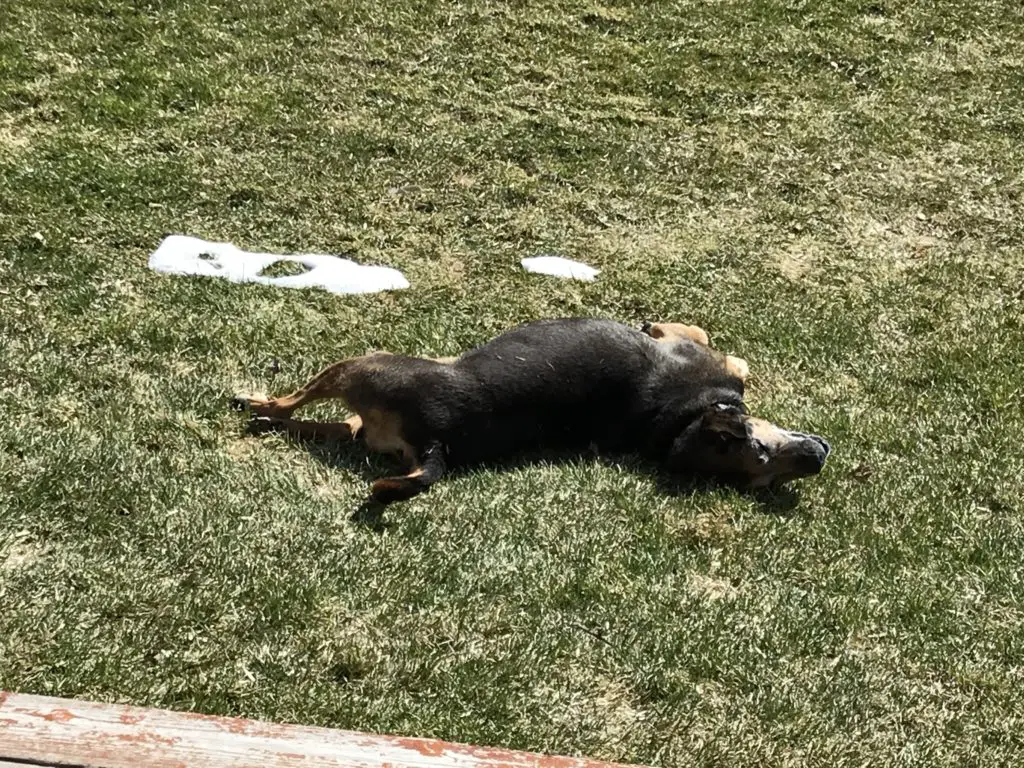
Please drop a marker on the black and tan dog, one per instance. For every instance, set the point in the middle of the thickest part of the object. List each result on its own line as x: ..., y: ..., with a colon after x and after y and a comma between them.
x: 662, y: 393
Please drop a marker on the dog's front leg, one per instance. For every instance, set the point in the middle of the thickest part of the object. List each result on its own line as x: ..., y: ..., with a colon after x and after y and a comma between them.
x: 669, y: 332
x: 430, y: 467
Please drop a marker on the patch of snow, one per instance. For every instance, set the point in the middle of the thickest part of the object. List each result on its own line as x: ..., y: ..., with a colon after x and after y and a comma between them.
x: 183, y: 255
x: 559, y: 267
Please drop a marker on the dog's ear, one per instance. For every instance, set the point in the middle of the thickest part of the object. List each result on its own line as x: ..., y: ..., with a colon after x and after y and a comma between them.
x: 725, y: 421
x: 720, y: 431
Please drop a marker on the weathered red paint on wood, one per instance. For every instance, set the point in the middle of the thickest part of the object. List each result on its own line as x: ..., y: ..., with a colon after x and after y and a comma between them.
x: 62, y: 732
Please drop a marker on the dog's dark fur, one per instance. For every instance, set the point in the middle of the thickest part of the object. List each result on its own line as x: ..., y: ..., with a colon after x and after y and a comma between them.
x: 662, y: 393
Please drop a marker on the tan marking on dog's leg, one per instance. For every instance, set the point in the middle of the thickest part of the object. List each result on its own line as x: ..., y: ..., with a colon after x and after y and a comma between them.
x: 737, y: 366
x: 675, y: 331
x: 397, y: 488
x: 427, y: 470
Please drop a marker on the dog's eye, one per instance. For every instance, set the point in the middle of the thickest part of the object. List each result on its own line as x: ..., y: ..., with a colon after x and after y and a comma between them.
x: 762, y: 451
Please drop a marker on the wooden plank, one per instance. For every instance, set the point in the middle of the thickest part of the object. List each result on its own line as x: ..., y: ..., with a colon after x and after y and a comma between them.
x: 63, y: 732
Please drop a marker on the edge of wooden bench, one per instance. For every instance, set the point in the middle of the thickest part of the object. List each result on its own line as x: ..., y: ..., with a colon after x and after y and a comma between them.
x: 45, y: 731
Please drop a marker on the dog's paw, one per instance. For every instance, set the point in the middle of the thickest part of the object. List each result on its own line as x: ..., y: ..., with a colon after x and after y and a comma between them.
x: 254, y: 403
x: 737, y: 366
x: 261, y: 425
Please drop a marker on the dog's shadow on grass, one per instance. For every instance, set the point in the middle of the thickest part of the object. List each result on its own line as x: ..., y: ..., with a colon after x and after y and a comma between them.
x: 353, y: 457
x: 782, y: 501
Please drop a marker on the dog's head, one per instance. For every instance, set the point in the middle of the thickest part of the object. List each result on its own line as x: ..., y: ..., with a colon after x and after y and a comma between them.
x: 726, y: 444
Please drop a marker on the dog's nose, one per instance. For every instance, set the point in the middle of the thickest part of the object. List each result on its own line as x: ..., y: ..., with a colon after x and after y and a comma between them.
x: 823, y: 443
x: 813, y: 452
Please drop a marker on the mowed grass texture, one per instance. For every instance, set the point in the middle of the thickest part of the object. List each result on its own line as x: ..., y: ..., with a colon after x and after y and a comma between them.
x: 832, y: 189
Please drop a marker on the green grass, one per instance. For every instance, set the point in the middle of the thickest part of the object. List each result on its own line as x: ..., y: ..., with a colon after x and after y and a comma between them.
x: 832, y: 189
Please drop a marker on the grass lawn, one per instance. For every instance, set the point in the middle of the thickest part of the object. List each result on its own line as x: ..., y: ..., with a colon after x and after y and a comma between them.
x: 832, y: 189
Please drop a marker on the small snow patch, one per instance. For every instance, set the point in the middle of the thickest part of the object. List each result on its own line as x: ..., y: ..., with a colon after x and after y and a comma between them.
x: 559, y: 267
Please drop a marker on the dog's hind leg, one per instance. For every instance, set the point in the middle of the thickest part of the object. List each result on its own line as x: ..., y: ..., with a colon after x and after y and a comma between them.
x: 342, y: 431
x: 333, y: 381
x: 430, y: 467
x: 674, y: 331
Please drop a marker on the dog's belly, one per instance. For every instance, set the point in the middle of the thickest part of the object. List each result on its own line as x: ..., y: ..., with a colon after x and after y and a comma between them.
x: 560, y: 385
x: 383, y: 432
